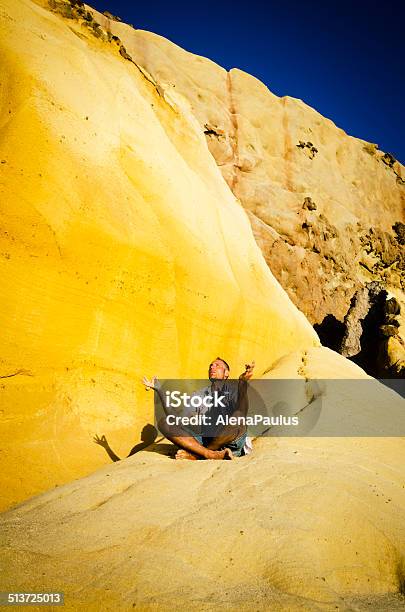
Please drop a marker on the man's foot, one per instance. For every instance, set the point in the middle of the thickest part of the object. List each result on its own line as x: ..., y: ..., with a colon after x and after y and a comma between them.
x: 183, y: 454
x: 228, y: 454
x: 225, y: 454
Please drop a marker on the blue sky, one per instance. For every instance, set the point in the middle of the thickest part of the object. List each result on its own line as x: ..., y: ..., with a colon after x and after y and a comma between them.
x: 345, y: 59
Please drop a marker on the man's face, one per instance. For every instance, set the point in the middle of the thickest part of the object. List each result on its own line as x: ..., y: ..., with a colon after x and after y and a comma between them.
x: 218, y: 370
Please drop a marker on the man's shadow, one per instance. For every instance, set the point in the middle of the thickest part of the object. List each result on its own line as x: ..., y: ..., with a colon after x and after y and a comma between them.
x: 148, y: 442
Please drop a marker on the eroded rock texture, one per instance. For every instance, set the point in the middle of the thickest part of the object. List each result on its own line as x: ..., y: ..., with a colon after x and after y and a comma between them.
x: 370, y: 333
x: 277, y: 155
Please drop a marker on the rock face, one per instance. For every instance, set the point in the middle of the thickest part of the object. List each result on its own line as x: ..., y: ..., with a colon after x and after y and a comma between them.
x: 276, y: 154
x: 371, y: 333
x: 301, y: 524
x: 123, y: 250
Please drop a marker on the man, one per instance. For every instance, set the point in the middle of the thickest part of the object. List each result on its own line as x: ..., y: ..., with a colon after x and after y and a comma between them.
x: 231, y: 440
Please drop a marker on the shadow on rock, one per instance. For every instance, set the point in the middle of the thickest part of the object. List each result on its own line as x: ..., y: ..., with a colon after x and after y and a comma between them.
x: 148, y: 442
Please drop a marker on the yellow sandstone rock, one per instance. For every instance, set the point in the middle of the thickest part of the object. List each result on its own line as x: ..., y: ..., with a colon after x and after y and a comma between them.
x: 123, y: 252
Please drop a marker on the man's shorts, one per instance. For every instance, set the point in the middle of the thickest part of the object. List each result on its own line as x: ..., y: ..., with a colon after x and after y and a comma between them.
x: 236, y: 446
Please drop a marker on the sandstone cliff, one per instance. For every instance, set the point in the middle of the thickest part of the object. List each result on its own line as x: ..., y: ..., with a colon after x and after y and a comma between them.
x: 322, y: 204
x: 123, y: 250
x: 326, y: 209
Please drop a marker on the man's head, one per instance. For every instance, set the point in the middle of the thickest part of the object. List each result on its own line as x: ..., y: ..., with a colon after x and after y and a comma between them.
x: 218, y: 370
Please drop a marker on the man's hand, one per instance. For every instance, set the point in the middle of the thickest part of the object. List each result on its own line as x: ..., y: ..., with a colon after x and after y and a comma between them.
x: 151, y: 384
x: 101, y: 441
x: 248, y: 373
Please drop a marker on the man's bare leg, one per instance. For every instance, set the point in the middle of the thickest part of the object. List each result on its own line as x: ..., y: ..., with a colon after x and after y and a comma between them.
x: 224, y: 454
x: 183, y: 454
x: 229, y: 434
x: 191, y: 447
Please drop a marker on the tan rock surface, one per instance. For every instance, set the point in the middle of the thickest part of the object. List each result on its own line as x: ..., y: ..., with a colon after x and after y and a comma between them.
x: 277, y: 152
x: 301, y: 524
